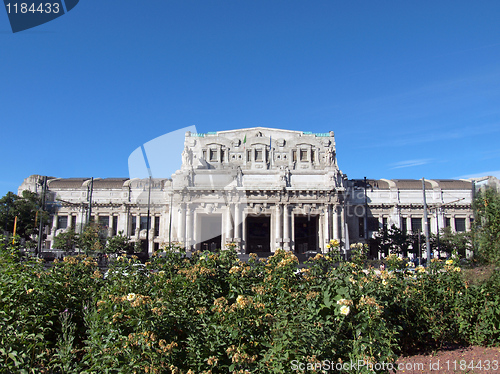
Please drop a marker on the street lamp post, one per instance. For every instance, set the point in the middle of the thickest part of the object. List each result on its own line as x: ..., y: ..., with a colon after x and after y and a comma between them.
x: 426, y: 227
x: 40, y: 227
x: 149, y: 217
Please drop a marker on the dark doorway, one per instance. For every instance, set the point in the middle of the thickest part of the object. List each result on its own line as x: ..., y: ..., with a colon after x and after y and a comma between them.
x: 211, y: 232
x: 258, y: 234
x: 306, y: 234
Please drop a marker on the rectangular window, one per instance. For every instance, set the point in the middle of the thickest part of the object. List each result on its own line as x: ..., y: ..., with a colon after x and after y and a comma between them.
x: 62, y: 222
x: 213, y: 155
x: 258, y: 155
x: 73, y: 222
x: 115, y: 225
x: 384, y: 223
x: 303, y: 155
x: 447, y: 222
x: 222, y: 155
x: 404, y: 225
x: 249, y: 155
x: 157, y: 226
x: 460, y: 224
x: 294, y: 155
x: 361, y: 227
x: 104, y: 221
x: 133, y: 225
x: 144, y: 223
x: 416, y: 224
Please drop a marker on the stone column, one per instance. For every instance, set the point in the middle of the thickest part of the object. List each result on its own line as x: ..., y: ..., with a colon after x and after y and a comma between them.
x: 341, y: 224
x: 111, y: 226
x: 327, y: 227
x: 286, y: 228
x: 244, y: 230
x: 237, y: 222
x: 228, y: 231
x: 335, y: 222
x: 122, y: 223
x: 189, y: 227
x: 321, y: 231
x: 181, y: 232
x: 137, y: 229
x: 441, y: 218
x: 278, y: 238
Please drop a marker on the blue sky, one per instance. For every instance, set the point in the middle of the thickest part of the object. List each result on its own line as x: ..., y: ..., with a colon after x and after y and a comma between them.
x: 411, y: 88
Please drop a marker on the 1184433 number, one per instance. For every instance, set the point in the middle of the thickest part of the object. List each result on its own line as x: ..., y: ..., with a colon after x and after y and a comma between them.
x: 31, y: 8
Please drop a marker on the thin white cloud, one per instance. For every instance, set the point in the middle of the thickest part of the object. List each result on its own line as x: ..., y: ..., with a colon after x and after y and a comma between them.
x: 410, y: 163
x: 495, y: 174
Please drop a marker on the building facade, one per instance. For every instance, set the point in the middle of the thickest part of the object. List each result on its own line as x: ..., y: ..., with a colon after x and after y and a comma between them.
x: 258, y: 188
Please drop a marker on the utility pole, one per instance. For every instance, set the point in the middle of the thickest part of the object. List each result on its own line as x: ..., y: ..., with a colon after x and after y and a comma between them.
x: 366, y: 215
x: 437, y: 228
x: 426, y: 226
x: 90, y: 200
x: 149, y: 218
x: 40, y: 227
x: 170, y: 222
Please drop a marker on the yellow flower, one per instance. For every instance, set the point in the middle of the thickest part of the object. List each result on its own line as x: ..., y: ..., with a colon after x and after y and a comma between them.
x: 457, y: 269
x: 344, y: 302
x: 29, y: 291
x: 344, y: 310
x: 240, y: 299
x: 96, y: 275
x: 449, y: 262
x: 420, y: 269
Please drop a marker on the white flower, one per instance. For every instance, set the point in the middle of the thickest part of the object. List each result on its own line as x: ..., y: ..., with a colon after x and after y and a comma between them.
x: 131, y: 296
x: 344, y: 310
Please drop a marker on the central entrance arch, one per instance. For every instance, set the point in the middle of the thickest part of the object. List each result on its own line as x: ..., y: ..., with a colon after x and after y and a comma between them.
x: 306, y: 233
x: 258, y: 234
x: 210, y: 232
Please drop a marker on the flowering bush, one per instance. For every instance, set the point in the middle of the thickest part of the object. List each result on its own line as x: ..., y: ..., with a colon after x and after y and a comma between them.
x: 32, y: 301
x: 212, y: 313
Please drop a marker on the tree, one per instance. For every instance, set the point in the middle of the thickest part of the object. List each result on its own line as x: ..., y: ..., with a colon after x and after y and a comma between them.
x: 90, y: 239
x: 118, y: 243
x: 452, y: 242
x: 66, y: 240
x: 394, y: 240
x: 23, y: 207
x: 487, y: 226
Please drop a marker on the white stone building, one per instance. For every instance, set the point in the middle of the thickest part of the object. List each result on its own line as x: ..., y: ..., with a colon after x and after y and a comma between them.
x: 260, y: 188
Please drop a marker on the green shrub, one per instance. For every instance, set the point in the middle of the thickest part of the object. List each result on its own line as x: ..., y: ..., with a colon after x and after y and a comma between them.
x: 212, y: 313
